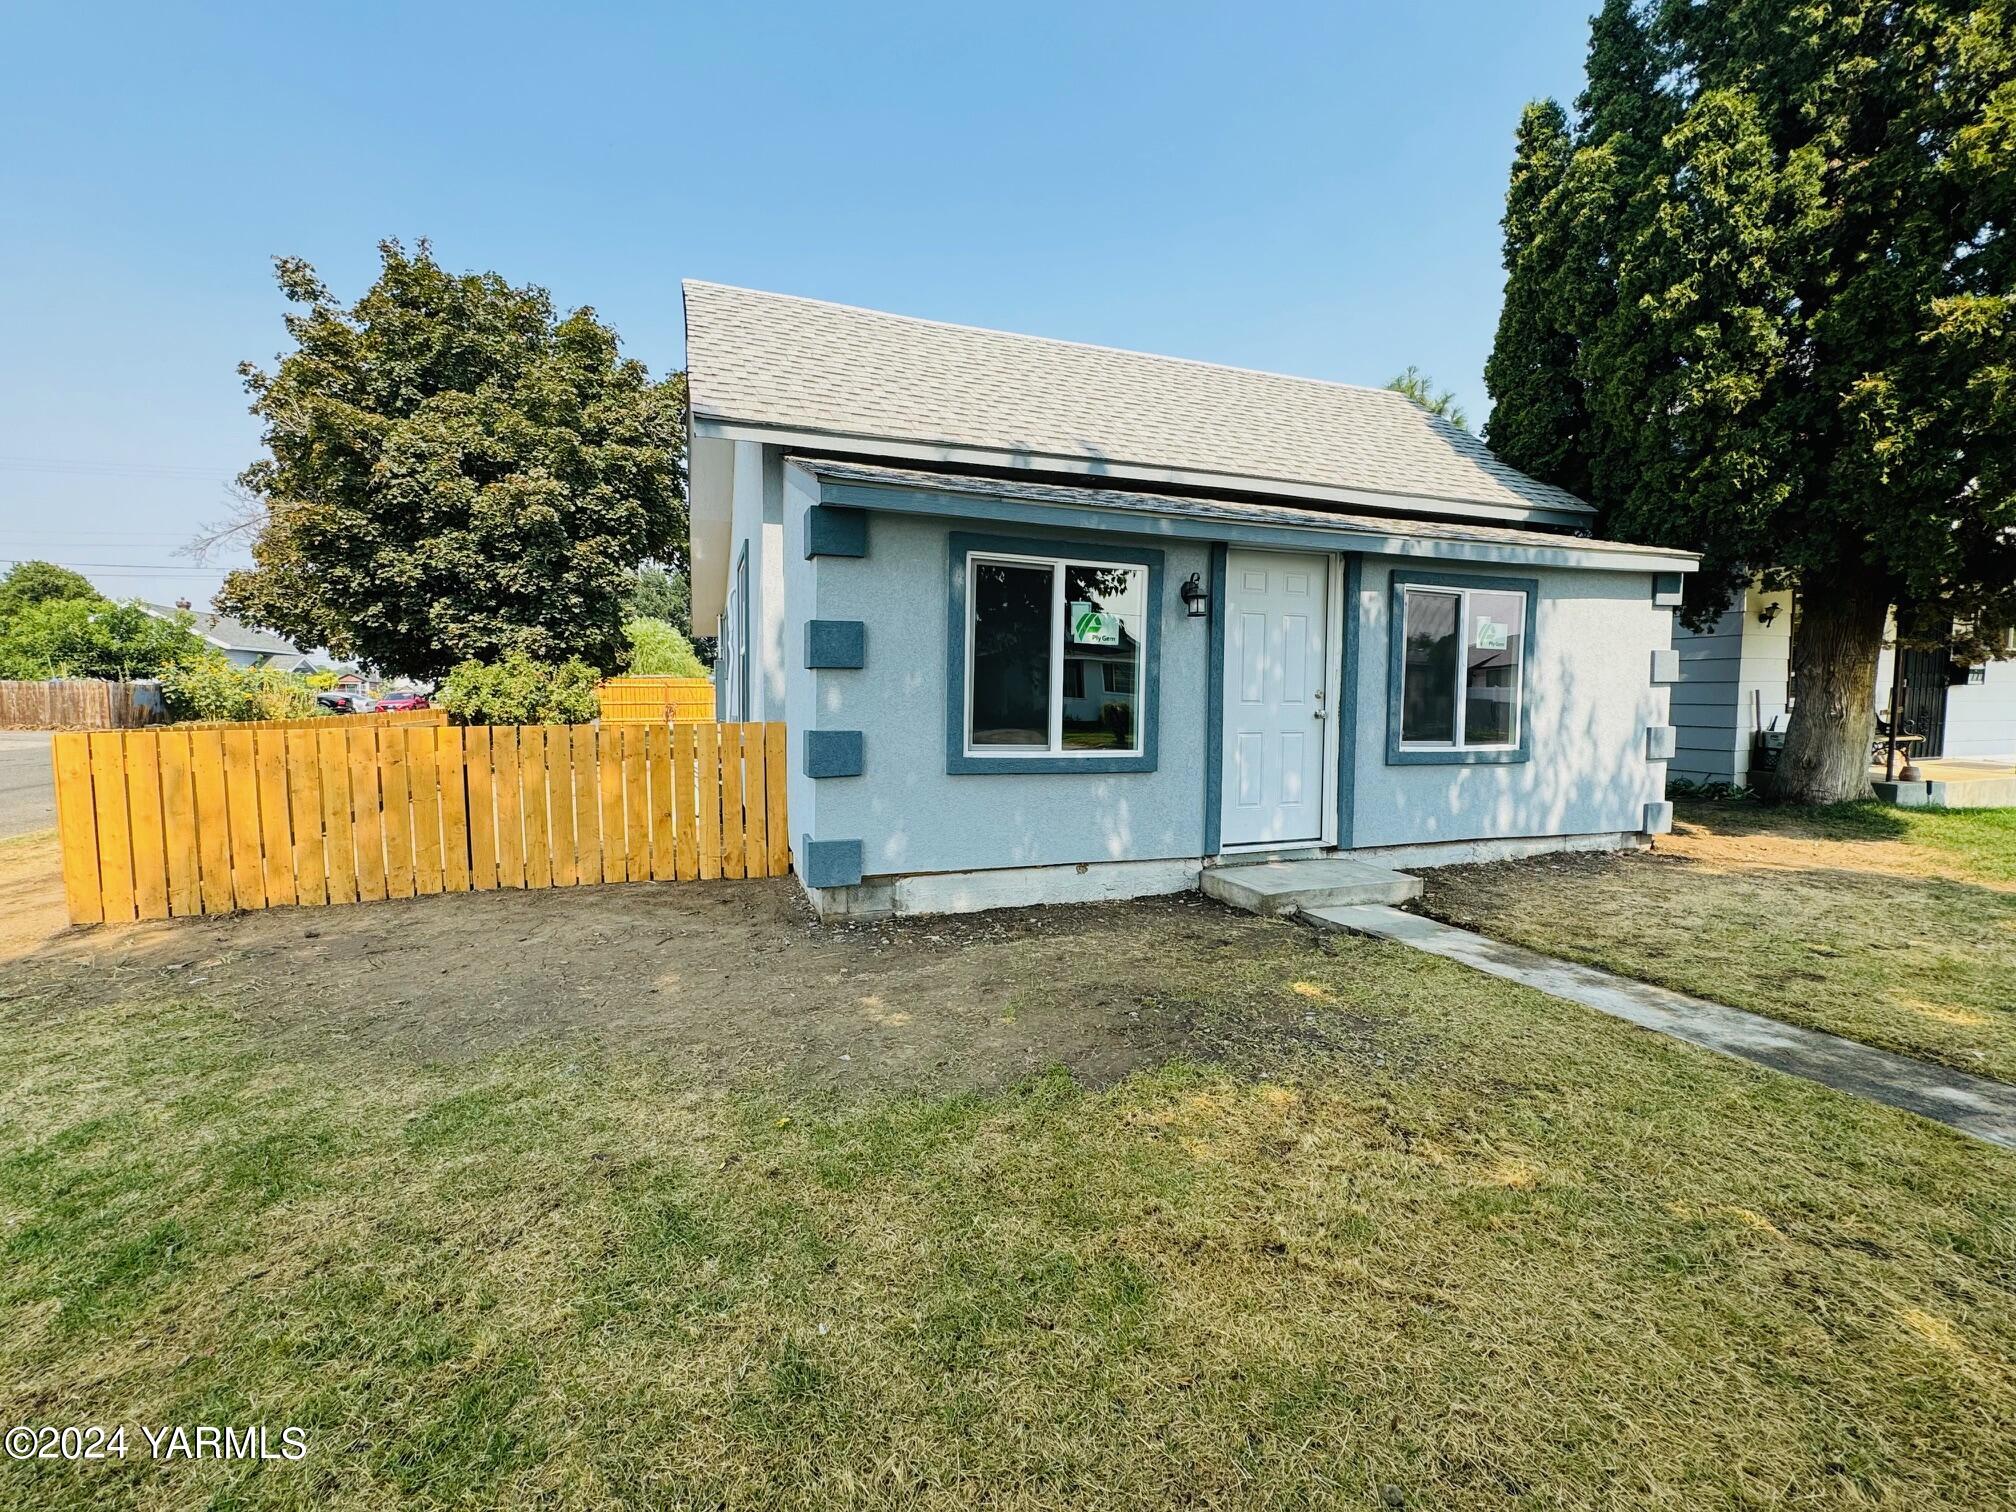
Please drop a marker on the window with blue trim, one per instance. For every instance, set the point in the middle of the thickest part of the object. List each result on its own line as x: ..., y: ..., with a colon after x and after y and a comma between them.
x: 1053, y: 653
x: 1461, y: 668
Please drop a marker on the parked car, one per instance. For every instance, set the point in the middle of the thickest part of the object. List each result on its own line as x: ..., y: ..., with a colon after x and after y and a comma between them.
x: 345, y: 701
x: 404, y: 701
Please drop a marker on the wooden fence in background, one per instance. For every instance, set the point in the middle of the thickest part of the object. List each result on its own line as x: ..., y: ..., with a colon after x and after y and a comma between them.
x: 321, y: 721
x: 161, y: 824
x: 79, y: 704
x: 655, y: 700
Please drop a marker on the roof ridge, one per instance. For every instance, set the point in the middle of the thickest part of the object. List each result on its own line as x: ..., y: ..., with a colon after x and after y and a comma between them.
x: 1063, y: 341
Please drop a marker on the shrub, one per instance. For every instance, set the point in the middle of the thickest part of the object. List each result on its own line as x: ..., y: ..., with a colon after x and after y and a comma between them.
x: 211, y: 687
x: 520, y: 690
x: 658, y: 649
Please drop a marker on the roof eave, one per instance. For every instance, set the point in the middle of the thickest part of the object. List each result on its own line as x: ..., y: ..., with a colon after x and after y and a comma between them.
x: 906, y: 498
x: 728, y: 428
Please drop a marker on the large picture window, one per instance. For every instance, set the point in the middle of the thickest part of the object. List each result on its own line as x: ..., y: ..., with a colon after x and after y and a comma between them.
x: 1459, y: 669
x: 1054, y: 661
x: 1054, y: 653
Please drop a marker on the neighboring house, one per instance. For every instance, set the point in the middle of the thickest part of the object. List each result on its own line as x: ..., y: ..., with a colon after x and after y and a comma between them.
x: 1051, y: 622
x: 1736, y: 681
x: 240, y: 643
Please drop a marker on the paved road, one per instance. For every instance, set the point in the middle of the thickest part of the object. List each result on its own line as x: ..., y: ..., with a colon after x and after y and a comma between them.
x: 27, y: 790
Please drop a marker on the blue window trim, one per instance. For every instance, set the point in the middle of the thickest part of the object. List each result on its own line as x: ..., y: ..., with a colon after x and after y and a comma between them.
x: 1396, y: 638
x: 961, y: 543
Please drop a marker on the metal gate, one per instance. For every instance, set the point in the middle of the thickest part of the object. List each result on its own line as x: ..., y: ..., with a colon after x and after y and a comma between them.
x: 1926, y: 675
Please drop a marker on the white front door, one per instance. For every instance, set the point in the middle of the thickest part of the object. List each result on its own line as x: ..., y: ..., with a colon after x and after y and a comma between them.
x: 1276, y: 705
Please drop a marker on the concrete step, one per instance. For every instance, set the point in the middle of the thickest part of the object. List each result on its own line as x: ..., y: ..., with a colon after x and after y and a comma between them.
x: 1280, y: 887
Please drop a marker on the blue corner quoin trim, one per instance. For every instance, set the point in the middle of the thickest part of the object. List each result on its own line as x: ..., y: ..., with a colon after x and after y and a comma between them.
x: 833, y: 753
x: 1162, y: 620
x: 836, y: 643
x: 831, y: 863
x: 836, y: 531
x: 1214, y: 708
x: 1396, y: 662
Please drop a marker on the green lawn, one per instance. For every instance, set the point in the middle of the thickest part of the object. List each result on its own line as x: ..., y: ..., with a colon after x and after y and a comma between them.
x: 1895, y: 927
x: 1430, y: 1239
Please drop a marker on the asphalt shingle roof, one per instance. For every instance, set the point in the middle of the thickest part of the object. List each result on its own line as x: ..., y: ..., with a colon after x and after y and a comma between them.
x: 231, y: 634
x: 1242, y: 511
x: 803, y: 364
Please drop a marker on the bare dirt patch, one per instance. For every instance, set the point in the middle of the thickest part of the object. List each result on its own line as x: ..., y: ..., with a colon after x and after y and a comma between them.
x: 739, y: 976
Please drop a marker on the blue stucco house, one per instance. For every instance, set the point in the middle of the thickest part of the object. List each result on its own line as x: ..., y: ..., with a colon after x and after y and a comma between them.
x: 1054, y: 622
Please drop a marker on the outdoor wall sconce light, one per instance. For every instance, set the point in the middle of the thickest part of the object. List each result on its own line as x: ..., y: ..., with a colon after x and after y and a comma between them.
x: 1195, y: 600
x: 1768, y: 613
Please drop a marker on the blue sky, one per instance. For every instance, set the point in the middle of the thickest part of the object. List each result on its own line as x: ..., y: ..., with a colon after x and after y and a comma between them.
x: 1312, y: 189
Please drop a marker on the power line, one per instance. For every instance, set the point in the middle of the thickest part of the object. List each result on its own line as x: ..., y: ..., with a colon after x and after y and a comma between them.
x: 85, y: 467
x: 132, y: 569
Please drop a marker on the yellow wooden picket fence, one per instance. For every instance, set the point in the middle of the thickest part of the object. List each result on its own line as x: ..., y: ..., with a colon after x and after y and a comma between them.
x: 159, y: 824
x: 377, y: 718
x: 655, y: 700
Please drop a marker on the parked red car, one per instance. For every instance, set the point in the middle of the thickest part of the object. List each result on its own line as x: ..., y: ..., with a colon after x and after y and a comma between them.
x: 404, y: 701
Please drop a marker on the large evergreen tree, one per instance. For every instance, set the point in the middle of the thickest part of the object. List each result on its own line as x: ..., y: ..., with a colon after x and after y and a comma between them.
x: 1767, y: 310
x: 454, y: 473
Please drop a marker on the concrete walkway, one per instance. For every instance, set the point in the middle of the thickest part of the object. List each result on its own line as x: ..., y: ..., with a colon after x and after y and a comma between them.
x: 1972, y: 1104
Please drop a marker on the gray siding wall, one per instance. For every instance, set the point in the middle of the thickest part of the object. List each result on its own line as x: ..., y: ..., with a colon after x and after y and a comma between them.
x: 1731, y: 676
x: 908, y: 812
x: 1589, y: 704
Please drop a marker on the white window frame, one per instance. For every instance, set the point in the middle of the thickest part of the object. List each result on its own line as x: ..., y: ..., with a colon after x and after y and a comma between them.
x: 1056, y: 747
x: 1462, y: 597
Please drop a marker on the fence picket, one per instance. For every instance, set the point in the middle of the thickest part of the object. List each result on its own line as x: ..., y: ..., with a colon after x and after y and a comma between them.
x: 143, y: 800
x: 636, y: 805
x: 538, y: 846
x: 276, y: 827
x: 507, y: 784
x: 451, y: 762
x: 587, y: 806
x: 615, y: 842
x: 707, y: 779
x: 423, y: 779
x: 560, y: 805
x: 115, y: 844
x: 303, y: 777
x: 241, y: 799
x: 394, y: 783
x: 77, y: 829
x: 482, y: 809
x: 658, y: 757
x: 213, y: 820
x: 339, y: 843
x: 686, y: 843
x: 367, y: 813
x: 775, y: 819
x: 755, y: 792
x: 732, y: 829
x: 178, y: 824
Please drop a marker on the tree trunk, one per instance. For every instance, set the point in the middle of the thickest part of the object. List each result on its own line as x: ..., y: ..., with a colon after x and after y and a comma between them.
x: 1834, y: 650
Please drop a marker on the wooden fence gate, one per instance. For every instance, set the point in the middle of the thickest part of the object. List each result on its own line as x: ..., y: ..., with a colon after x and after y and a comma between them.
x: 161, y: 824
